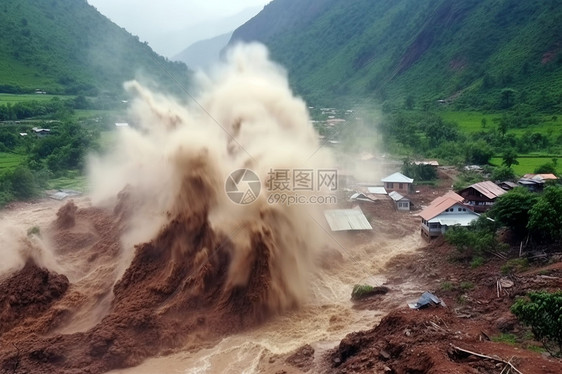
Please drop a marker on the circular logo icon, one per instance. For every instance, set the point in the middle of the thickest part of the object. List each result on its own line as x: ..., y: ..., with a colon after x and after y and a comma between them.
x: 243, y: 186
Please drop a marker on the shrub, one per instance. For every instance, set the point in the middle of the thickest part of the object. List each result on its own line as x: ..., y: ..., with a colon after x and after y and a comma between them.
x: 542, y: 311
x: 477, y: 261
x: 514, y: 266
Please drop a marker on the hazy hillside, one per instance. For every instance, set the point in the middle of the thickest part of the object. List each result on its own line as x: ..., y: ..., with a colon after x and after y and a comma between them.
x: 203, y: 53
x: 173, y: 43
x: 67, y: 46
x: 467, y: 51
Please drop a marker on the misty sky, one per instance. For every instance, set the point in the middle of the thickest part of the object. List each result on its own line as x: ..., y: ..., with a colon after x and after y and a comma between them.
x: 155, y: 21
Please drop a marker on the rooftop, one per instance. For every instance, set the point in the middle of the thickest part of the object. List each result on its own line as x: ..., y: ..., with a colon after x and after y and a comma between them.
x: 487, y: 188
x: 397, y: 178
x: 540, y: 176
x: 396, y: 196
x: 440, y: 204
x: 347, y: 219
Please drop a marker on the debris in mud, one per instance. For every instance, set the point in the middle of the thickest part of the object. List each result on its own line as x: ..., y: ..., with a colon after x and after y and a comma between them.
x: 363, y: 291
x: 422, y: 341
x: 303, y: 358
x: 427, y: 299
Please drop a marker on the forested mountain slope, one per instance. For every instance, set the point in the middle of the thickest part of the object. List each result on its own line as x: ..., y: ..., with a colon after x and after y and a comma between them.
x: 67, y: 46
x: 484, y: 54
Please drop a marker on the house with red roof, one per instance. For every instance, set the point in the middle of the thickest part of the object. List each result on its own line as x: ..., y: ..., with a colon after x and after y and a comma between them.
x: 443, y: 212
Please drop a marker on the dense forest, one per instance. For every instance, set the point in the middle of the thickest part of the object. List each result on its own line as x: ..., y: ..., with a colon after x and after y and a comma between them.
x: 471, y: 54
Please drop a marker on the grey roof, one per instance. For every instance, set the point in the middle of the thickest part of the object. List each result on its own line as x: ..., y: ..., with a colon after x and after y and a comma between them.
x: 397, y: 178
x: 347, y: 219
x: 396, y: 196
x: 379, y: 190
x: 361, y: 197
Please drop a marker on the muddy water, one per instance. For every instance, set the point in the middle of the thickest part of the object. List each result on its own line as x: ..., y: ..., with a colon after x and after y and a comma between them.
x: 322, y: 322
x: 324, y: 319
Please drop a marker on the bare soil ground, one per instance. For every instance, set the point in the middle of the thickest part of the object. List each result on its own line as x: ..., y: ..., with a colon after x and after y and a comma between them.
x: 476, y: 317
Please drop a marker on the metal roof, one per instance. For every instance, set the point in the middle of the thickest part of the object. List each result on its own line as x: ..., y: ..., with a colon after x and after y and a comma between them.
x: 488, y: 189
x: 396, y: 196
x: 347, y: 219
x: 377, y: 190
x: 431, y: 163
x: 456, y: 219
x: 397, y: 178
x: 540, y: 176
x: 361, y: 197
x: 440, y: 204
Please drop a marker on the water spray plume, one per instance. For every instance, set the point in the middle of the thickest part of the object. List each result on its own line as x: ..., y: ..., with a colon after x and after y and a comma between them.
x: 187, y: 263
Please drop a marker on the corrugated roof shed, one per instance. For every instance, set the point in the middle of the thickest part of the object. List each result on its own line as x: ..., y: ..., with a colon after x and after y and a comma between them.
x: 540, y: 176
x: 488, y: 189
x: 439, y: 205
x: 397, y: 178
x: 347, y: 219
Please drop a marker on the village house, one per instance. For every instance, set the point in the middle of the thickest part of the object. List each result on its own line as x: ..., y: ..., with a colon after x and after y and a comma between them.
x: 41, y: 132
x: 398, y: 182
x: 482, y: 195
x: 400, y: 202
x: 443, y: 212
x: 536, y: 182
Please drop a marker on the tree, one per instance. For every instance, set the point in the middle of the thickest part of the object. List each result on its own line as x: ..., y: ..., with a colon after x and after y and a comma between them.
x: 507, y: 95
x: 476, y: 240
x: 503, y: 173
x: 510, y: 158
x: 419, y: 172
x: 23, y: 183
x: 478, y: 152
x: 409, y: 103
x: 545, y: 217
x: 547, y: 168
x: 512, y: 210
x: 542, y: 311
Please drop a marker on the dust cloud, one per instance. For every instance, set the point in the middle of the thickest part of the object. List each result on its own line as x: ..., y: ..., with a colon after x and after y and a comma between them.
x: 164, y: 259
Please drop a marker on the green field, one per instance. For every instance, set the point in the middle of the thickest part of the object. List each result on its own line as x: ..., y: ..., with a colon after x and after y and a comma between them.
x: 471, y: 122
x: 16, y: 98
x: 9, y: 161
x: 527, y: 164
x: 73, y: 181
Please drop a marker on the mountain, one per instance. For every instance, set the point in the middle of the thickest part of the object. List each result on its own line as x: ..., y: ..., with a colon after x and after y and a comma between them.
x: 204, y: 53
x: 173, y: 43
x: 473, y: 53
x: 67, y: 46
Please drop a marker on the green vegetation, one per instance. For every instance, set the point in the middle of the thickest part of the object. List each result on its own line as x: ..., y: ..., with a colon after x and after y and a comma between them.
x: 419, y: 172
x: 476, y: 241
x: 542, y: 311
x: 361, y: 291
x: 529, y: 214
x: 67, y: 47
x: 460, y: 55
x: 505, y: 338
x: 515, y: 265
